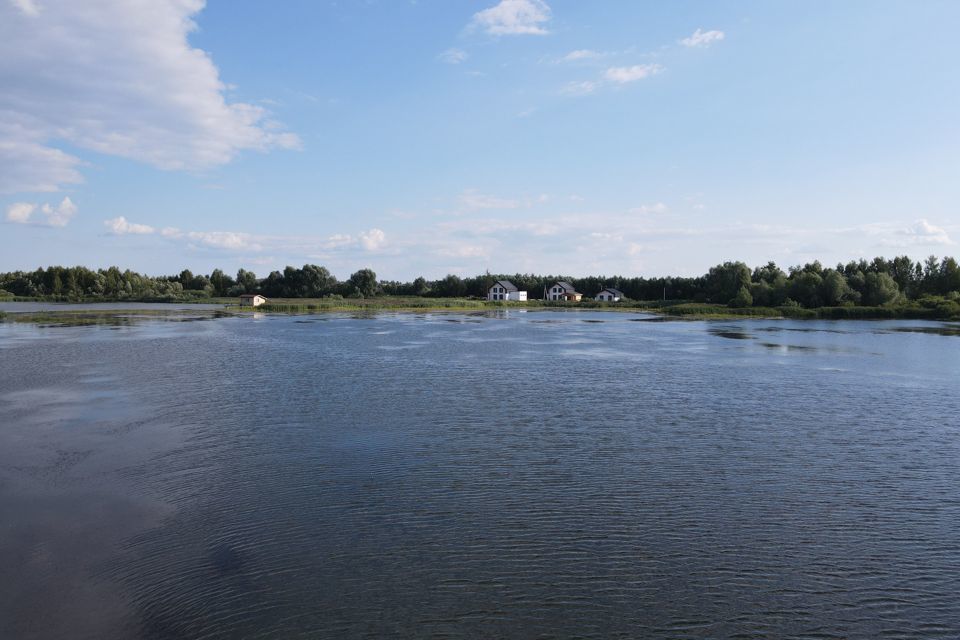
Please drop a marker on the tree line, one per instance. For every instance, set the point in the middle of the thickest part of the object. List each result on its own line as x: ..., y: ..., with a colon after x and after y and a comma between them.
x: 867, y: 283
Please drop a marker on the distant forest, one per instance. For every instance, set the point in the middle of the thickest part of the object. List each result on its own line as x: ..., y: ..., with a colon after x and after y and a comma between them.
x: 857, y: 283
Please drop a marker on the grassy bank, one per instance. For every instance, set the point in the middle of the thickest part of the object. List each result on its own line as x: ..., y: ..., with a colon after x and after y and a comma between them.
x: 911, y: 311
x: 924, y: 309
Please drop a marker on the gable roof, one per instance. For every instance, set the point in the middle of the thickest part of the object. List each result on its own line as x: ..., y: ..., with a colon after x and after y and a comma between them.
x: 506, y: 284
x: 566, y: 286
x: 615, y: 292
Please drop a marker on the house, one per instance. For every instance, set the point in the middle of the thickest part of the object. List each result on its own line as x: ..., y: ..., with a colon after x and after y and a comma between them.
x: 252, y: 300
x: 506, y: 290
x: 610, y: 295
x: 563, y: 291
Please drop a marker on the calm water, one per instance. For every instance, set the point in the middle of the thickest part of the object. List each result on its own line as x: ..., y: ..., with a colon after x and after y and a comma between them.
x: 467, y: 476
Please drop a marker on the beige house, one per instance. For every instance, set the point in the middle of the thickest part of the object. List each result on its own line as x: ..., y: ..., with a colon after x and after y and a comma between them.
x: 252, y: 300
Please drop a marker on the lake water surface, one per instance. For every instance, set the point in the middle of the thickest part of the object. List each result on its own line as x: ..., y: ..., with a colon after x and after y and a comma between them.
x: 511, y: 475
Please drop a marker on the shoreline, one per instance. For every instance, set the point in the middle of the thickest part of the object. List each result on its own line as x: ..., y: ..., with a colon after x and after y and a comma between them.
x: 668, y: 313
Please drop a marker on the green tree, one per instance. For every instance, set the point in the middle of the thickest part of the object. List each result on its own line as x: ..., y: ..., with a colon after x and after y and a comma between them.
x: 879, y: 288
x: 420, y: 287
x: 247, y: 281
x: 742, y: 299
x: 723, y: 282
x: 364, y: 282
x: 834, y: 289
x: 316, y: 281
x: 805, y: 288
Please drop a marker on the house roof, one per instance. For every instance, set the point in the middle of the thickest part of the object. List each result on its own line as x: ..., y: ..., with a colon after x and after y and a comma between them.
x: 566, y: 286
x: 506, y: 284
x: 251, y: 295
x: 615, y: 292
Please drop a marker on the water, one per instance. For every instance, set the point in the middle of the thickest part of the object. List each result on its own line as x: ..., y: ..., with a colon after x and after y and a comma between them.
x: 517, y: 475
x: 33, y: 307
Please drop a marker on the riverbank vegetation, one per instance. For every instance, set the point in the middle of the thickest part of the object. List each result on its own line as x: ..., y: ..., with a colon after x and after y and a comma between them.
x: 881, y: 288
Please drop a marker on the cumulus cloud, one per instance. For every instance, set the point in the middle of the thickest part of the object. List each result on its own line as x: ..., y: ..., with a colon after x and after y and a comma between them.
x: 373, y: 240
x: 223, y: 240
x: 612, y: 76
x: 50, y: 216
x: 624, y: 75
x: 922, y: 232
x: 581, y: 54
x: 702, y: 38
x: 453, y: 56
x: 20, y: 212
x: 117, y: 77
x: 514, y: 17
x: 120, y: 226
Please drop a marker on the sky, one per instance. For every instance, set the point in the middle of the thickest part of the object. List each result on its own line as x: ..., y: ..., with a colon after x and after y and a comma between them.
x: 427, y: 137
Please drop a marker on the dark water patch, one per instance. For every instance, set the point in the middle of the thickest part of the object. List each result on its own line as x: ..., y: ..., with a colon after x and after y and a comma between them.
x: 777, y: 329
x: 729, y: 333
x: 655, y: 319
x: 945, y: 330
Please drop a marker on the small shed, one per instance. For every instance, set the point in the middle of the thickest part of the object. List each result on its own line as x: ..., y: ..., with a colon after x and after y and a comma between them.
x: 506, y: 290
x: 252, y: 300
x: 610, y: 295
x: 563, y: 291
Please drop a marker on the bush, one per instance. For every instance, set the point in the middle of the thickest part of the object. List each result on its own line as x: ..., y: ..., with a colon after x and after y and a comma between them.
x: 743, y: 299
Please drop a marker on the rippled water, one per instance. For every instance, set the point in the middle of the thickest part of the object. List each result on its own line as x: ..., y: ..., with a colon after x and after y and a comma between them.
x: 519, y: 475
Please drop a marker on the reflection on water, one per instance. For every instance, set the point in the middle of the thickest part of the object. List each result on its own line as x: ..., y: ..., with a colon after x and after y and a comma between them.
x: 454, y: 475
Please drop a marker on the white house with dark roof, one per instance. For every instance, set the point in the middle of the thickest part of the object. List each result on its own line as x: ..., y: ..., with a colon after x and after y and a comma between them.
x: 561, y: 290
x: 252, y: 300
x: 610, y: 295
x: 506, y: 290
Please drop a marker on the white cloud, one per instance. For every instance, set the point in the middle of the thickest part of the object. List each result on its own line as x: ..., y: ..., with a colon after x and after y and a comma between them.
x: 581, y: 54
x: 623, y: 75
x: 453, y: 56
x: 338, y: 240
x: 27, y: 166
x: 582, y: 88
x: 702, y: 38
x: 373, y: 240
x: 117, y: 77
x: 514, y: 17
x: 223, y: 240
x: 20, y: 212
x: 121, y: 226
x: 922, y: 232
x: 27, y: 7
x: 58, y: 216
x: 656, y: 207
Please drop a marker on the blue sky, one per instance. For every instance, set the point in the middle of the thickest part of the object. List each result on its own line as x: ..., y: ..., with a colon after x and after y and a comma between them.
x: 436, y: 136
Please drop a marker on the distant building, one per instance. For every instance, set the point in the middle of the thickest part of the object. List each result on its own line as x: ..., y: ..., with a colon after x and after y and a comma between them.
x: 506, y: 290
x: 563, y: 291
x: 252, y: 300
x: 610, y: 295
